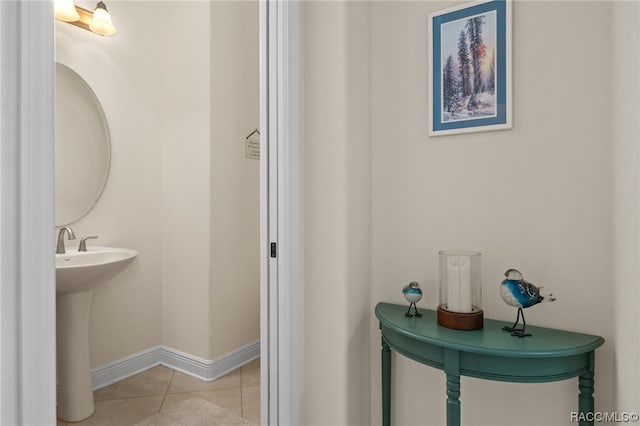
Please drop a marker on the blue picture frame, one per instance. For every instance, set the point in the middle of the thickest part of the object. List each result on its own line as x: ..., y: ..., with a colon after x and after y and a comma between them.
x: 470, y: 68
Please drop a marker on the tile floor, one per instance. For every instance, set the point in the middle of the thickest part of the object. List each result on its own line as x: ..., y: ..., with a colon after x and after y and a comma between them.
x: 147, y: 393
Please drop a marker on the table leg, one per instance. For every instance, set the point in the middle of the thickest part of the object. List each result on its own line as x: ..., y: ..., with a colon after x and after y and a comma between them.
x: 386, y: 384
x: 453, y: 400
x: 585, y: 398
x: 452, y: 370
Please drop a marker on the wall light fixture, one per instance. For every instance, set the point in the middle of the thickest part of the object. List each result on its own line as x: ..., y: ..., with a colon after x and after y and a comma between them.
x: 98, y: 21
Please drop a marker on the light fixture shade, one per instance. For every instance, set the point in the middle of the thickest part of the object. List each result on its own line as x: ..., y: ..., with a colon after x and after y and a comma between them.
x: 66, y: 11
x: 101, y: 23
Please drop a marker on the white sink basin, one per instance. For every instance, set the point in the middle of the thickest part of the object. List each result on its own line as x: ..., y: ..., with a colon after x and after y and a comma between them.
x: 80, y: 271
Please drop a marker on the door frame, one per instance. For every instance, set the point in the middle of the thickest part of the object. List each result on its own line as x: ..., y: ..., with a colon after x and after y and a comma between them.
x: 27, y: 270
x: 280, y: 236
x: 27, y: 291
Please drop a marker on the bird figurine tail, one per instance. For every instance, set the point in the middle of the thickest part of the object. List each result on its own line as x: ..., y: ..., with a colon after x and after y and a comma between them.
x: 546, y: 297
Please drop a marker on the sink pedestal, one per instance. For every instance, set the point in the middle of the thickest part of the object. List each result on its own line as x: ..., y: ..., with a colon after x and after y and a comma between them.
x: 75, y: 394
x: 77, y: 274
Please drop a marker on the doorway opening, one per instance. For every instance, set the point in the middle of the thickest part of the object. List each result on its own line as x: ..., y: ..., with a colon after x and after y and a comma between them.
x: 27, y: 309
x: 184, y: 192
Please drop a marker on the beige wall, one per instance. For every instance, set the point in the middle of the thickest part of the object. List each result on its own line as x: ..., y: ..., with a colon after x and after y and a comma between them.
x: 235, y: 180
x: 538, y: 197
x: 626, y: 201
x: 186, y: 141
x: 324, y: 213
x: 125, y: 316
x: 180, y: 191
x: 336, y: 209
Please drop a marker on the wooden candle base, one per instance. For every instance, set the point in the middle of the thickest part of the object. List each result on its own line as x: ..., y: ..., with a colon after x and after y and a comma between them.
x: 460, y: 321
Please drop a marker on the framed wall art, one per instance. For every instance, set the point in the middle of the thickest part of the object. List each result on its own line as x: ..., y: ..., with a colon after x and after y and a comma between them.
x: 470, y: 68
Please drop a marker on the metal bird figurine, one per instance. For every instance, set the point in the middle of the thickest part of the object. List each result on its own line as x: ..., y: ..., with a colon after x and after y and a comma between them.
x: 413, y: 294
x: 517, y: 292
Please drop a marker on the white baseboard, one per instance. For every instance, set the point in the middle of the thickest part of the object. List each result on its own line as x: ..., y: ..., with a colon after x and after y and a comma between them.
x: 192, y: 365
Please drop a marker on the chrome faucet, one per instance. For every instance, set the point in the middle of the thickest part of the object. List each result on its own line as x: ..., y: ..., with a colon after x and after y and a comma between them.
x: 83, y: 242
x: 60, y: 246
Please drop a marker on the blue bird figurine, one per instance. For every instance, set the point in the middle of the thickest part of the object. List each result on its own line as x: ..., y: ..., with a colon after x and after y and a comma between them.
x: 413, y: 294
x: 517, y: 292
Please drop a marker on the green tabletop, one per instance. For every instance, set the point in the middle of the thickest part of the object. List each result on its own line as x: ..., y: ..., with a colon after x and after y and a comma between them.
x: 491, y: 339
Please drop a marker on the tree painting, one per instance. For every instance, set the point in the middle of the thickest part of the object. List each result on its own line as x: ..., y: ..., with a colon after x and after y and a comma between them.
x: 452, y: 91
x: 468, y: 68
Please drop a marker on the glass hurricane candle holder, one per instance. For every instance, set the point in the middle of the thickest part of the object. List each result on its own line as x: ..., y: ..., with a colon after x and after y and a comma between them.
x: 460, y: 305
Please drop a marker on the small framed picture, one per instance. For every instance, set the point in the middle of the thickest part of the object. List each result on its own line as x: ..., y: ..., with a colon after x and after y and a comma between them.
x: 470, y: 68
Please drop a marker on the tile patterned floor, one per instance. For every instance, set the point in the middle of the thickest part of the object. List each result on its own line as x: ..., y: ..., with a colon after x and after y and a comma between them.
x: 147, y: 393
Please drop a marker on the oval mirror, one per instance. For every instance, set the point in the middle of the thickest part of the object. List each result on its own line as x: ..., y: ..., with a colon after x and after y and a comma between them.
x: 83, y: 147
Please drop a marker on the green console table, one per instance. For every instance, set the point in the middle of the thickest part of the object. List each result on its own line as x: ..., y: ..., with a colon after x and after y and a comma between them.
x: 490, y: 353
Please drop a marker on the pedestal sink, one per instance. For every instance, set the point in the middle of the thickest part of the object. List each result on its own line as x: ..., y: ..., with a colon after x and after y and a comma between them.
x: 77, y: 274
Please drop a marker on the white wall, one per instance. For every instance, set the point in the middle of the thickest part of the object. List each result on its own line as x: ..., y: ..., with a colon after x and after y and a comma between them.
x: 125, y: 316
x: 177, y: 165
x: 626, y: 201
x: 324, y: 246
x: 336, y: 209
x: 186, y: 141
x: 235, y: 180
x: 537, y: 198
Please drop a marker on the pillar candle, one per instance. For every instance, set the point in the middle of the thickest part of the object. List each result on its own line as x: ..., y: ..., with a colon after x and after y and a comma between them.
x: 459, y: 284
